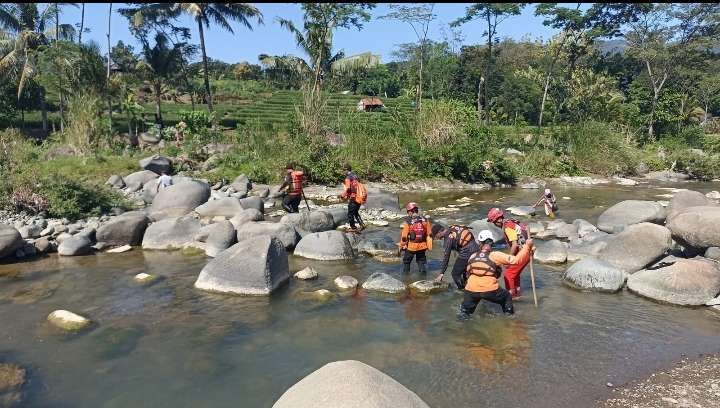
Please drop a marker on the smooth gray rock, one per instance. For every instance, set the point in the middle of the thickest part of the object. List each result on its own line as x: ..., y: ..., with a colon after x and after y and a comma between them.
x: 325, y: 246
x: 666, y: 175
x: 382, y: 199
x: 42, y: 245
x: 179, y: 199
x: 348, y: 384
x: 126, y: 229
x: 339, y: 215
x: 226, y: 207
x: 79, y: 244
x: 594, y: 274
x: 382, y: 282
x: 713, y: 253
x: 375, y: 247
x: 251, y: 267
x: 241, y: 184
x: 686, y: 199
x: 428, y: 287
x: 522, y: 210
x: 566, y: 231
x: 555, y: 224
x: 585, y: 249
x: 306, y: 274
x: 246, y: 216
x: 346, y: 282
x: 584, y: 227
x: 533, y: 227
x: 687, y: 282
x: 552, y: 251
x: 699, y: 227
x: 139, y: 178
x: 260, y: 190
x: 157, y: 164
x: 30, y: 231
x: 637, y: 246
x: 253, y: 202
x: 10, y: 240
x: 630, y: 212
x: 115, y: 181
x: 149, y: 191
x: 171, y: 233
x: 284, y: 232
x: 217, y: 237
x: 313, y: 221
x: 480, y: 225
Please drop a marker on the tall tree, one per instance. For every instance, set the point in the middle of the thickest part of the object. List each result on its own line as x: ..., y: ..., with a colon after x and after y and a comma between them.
x: 109, y: 49
x: 82, y: 23
x: 492, y: 14
x: 418, y: 16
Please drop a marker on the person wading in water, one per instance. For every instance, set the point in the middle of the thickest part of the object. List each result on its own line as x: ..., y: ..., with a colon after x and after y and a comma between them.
x: 456, y: 238
x: 293, y: 181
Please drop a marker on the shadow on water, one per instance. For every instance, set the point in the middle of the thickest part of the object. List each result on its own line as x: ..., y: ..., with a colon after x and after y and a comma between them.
x: 169, y: 345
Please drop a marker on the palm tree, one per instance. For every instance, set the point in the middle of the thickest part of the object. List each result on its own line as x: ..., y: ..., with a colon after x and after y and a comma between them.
x: 160, y: 62
x: 203, y: 13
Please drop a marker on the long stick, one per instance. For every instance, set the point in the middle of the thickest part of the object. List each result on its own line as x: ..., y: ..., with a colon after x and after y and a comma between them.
x: 306, y: 203
x: 532, y: 278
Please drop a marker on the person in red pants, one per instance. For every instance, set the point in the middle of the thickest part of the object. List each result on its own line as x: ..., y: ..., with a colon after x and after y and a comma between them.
x: 516, y: 234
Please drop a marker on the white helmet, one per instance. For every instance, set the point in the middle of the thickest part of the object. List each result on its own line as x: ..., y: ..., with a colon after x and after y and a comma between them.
x: 484, y: 235
x: 547, y: 191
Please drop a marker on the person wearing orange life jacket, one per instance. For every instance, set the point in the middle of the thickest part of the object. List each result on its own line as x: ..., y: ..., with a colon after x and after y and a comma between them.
x: 455, y: 238
x: 516, y: 235
x: 354, y: 192
x: 415, y: 238
x: 483, y: 270
x: 294, y: 183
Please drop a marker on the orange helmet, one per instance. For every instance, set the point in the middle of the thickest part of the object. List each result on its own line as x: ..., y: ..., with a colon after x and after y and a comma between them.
x: 411, y: 206
x: 495, y: 214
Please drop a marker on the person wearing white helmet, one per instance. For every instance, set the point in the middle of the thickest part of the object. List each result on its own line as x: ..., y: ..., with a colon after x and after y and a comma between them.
x: 483, y: 271
x: 550, y: 203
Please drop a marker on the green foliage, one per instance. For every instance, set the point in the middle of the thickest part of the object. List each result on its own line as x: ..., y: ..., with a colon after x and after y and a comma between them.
x: 196, y: 121
x: 86, y: 128
x: 73, y: 199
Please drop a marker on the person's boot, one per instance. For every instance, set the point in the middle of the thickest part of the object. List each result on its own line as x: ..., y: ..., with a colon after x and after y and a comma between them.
x: 463, y: 315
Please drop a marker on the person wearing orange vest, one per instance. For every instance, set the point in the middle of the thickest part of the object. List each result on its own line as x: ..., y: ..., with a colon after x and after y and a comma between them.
x: 483, y: 271
x: 455, y: 238
x: 516, y: 235
x: 415, y: 238
x: 294, y: 183
x: 349, y: 193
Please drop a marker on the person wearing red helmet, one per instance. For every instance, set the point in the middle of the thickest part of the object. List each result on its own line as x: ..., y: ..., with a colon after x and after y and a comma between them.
x: 415, y: 238
x: 516, y: 234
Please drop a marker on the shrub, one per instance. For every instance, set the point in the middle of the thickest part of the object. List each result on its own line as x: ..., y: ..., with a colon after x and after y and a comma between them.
x: 85, y: 127
x: 73, y: 199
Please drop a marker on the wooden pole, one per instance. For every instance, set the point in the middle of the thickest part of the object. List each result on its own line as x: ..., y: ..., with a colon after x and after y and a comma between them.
x: 532, y: 278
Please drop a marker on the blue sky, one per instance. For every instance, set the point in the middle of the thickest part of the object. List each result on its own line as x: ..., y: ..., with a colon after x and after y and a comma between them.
x: 378, y: 36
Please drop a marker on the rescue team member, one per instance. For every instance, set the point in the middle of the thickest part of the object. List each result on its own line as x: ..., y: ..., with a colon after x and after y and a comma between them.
x: 294, y: 183
x: 550, y: 203
x: 415, y: 238
x: 356, y: 195
x: 483, y: 271
x: 456, y: 238
x: 516, y: 235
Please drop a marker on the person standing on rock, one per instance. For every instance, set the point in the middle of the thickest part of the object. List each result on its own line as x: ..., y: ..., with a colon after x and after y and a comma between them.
x: 516, y: 236
x: 356, y: 194
x: 483, y: 271
x: 163, y: 181
x: 455, y: 238
x: 415, y: 238
x: 548, y: 198
x: 293, y: 182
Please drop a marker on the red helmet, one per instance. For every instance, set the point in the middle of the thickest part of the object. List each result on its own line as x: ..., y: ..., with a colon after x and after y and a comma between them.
x: 495, y: 214
x: 411, y: 206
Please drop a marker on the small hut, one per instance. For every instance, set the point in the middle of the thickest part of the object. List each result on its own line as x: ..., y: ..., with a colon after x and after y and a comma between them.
x: 370, y: 104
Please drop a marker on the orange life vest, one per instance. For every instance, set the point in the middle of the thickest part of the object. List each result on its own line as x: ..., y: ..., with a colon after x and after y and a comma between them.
x: 297, y: 177
x: 521, y: 229
x: 480, y: 264
x: 462, y: 235
x: 418, y: 230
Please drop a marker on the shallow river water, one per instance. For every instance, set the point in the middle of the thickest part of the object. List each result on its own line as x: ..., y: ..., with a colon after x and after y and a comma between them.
x: 169, y: 345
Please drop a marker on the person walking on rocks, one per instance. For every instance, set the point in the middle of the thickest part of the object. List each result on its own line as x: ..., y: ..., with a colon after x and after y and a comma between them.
x: 548, y: 198
x: 415, y: 238
x: 460, y: 239
x: 483, y: 271
x: 293, y: 182
x: 516, y: 236
x: 356, y: 195
x: 163, y: 181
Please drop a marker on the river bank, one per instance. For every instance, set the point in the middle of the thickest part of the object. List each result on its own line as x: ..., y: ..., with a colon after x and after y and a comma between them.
x: 691, y: 383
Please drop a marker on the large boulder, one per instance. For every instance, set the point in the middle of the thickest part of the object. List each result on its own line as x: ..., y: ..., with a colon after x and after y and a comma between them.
x: 690, y: 282
x: 699, y: 227
x: 584, y: 227
x: 339, y: 215
x: 246, y: 216
x: 79, y: 244
x: 566, y: 231
x: 149, y: 191
x: 521, y: 210
x: 139, y: 178
x: 552, y: 251
x: 241, y: 184
x: 126, y: 229
x: 382, y: 199
x: 630, y: 212
x: 382, y: 282
x: 226, y: 207
x: 582, y: 250
x: 251, y: 267
x: 157, y: 164
x: 313, y: 221
x: 348, y: 384
x: 685, y: 199
x: 217, y: 237
x: 325, y: 246
x: 284, y: 232
x: 171, y: 233
x: 593, y: 273
x: 115, y: 181
x: 253, y: 203
x: 10, y: 240
x: 179, y: 199
x: 480, y: 225
x: 637, y: 246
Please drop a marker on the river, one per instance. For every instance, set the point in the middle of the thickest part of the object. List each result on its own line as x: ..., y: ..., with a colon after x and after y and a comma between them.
x: 170, y: 345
